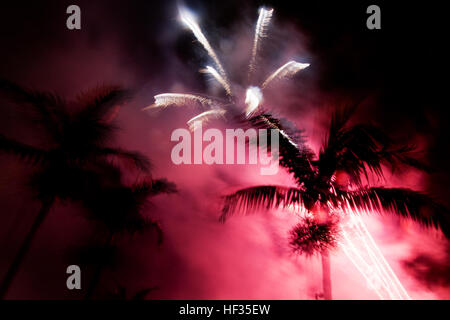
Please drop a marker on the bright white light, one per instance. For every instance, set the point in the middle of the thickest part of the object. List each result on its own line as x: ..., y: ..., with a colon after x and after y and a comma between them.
x: 253, y: 99
x: 182, y: 99
x: 205, y: 117
x: 189, y: 20
x: 187, y: 17
x: 210, y: 70
x: 285, y: 71
x: 265, y: 15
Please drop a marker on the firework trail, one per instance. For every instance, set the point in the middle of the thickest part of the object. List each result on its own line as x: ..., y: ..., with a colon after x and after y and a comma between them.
x: 254, y: 96
x: 285, y: 71
x: 210, y: 70
x: 205, y: 117
x: 182, y: 99
x: 265, y: 15
x: 189, y: 20
x: 282, y: 132
x: 363, y: 252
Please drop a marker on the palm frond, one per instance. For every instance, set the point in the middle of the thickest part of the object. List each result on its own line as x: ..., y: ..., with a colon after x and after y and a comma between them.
x: 163, y: 185
x: 355, y: 150
x: 261, y: 197
x: 116, y: 209
x: 120, y: 209
x: 340, y: 119
x: 87, y: 132
x: 295, y: 156
x: 404, y: 155
x: 403, y: 202
x: 149, y: 188
x: 23, y: 151
x: 98, y: 101
x: 139, y: 160
x: 152, y: 187
x: 361, y: 149
x: 51, y: 107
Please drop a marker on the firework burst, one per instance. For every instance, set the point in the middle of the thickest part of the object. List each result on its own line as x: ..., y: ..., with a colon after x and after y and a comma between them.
x: 254, y: 93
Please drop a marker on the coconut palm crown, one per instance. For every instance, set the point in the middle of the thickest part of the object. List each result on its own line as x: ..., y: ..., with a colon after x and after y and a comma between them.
x: 358, y: 150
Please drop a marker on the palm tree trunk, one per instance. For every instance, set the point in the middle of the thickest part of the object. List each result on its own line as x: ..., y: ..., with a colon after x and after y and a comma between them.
x: 326, y: 275
x: 323, y: 216
x: 26, y: 244
x: 98, y: 272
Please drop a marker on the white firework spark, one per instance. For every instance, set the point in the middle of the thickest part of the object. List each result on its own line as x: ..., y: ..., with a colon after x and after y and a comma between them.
x: 204, y: 117
x: 210, y: 70
x: 265, y: 15
x: 254, y: 96
x: 281, y: 131
x: 182, y: 99
x: 287, y: 70
x: 189, y: 20
x: 253, y: 99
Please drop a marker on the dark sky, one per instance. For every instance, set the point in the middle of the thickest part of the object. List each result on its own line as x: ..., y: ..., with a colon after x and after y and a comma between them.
x: 140, y: 44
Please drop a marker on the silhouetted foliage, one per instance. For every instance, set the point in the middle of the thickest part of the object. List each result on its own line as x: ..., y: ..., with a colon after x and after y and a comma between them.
x: 310, y: 236
x: 357, y: 150
x: 80, y: 164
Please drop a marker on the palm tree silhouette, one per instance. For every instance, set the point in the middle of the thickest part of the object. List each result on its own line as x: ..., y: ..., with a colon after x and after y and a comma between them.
x: 78, y: 161
x: 357, y: 150
x: 118, y: 210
